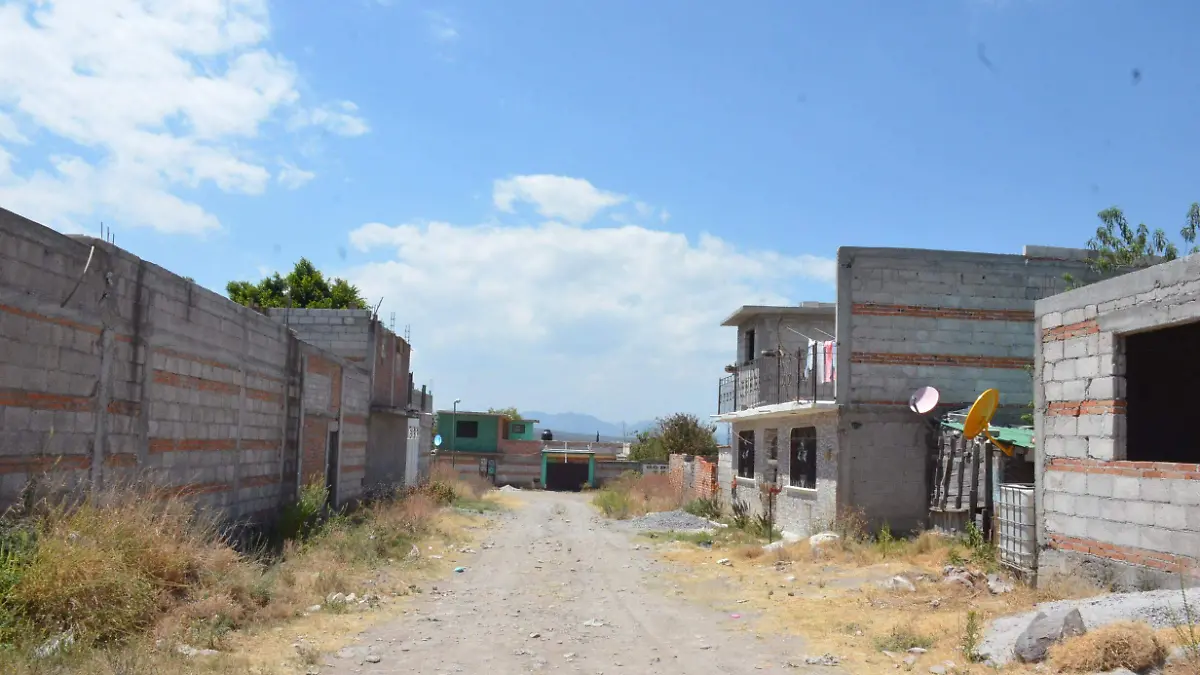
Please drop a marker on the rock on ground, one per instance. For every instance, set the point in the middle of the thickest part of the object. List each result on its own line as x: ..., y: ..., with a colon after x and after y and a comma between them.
x: 1047, y: 629
x: 1155, y: 608
x: 679, y: 521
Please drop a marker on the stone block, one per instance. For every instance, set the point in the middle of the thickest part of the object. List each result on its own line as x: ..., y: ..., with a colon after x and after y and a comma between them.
x: 1155, y: 489
x: 1075, y: 348
x: 1101, y: 448
x: 1052, y: 320
x: 1099, y: 485
x: 1087, y: 366
x: 1073, y: 390
x: 1101, y: 388
x: 1053, y: 351
x: 1064, y: 370
x: 1186, y: 492
x: 1074, y: 483
x: 1074, y: 316
x: 1121, y: 534
x: 1170, y: 516
x: 1126, y: 487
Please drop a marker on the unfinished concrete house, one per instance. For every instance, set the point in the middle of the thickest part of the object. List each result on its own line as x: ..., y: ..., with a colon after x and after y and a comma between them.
x: 818, y: 396
x: 1118, y: 478
x: 400, y: 421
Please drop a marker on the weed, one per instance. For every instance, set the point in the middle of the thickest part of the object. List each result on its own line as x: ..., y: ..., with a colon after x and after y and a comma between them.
x: 885, y: 542
x: 1130, y: 645
x: 741, y: 514
x: 852, y: 628
x: 704, y: 507
x: 1185, y: 629
x: 972, y: 634
x: 613, y: 504
x: 901, y: 639
x: 309, y: 655
x: 302, y: 519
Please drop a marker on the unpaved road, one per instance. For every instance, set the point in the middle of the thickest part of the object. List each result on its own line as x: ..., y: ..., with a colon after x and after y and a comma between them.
x: 563, y: 590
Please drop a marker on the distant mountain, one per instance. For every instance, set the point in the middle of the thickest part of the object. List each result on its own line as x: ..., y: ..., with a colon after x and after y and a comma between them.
x: 586, y: 426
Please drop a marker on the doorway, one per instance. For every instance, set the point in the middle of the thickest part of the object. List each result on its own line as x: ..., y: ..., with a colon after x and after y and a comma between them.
x: 331, y: 469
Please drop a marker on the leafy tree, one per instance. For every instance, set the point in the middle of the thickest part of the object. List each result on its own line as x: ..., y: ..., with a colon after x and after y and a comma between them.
x: 1119, y: 245
x: 509, y: 412
x: 681, y: 433
x: 308, y: 288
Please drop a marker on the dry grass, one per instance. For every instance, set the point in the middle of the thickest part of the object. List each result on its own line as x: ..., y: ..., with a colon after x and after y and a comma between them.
x: 1129, y: 645
x: 137, y: 571
x: 820, y: 593
x: 635, y: 494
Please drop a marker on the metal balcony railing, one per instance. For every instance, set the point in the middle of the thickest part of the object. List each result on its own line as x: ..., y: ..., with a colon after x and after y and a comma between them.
x: 767, y: 380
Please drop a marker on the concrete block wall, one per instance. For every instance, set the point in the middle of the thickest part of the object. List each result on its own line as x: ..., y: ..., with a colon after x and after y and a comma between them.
x: 112, y: 368
x: 342, y: 332
x: 1128, y: 524
x: 962, y: 322
x: 798, y: 511
x: 885, y: 462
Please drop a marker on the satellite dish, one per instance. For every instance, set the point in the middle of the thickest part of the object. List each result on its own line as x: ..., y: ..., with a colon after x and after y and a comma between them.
x: 923, y: 400
x: 437, y: 441
x: 980, y: 416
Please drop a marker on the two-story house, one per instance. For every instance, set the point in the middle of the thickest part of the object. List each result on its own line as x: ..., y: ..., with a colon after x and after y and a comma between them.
x: 817, y: 397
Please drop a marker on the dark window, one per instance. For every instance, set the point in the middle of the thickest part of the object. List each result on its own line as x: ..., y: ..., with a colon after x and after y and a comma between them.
x: 1160, y: 369
x: 518, y: 428
x: 749, y: 346
x: 803, y: 467
x: 466, y: 429
x: 771, y: 441
x: 745, y: 461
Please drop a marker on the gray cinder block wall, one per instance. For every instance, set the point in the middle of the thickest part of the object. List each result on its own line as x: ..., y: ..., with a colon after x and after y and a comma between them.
x: 113, y: 368
x: 798, y: 511
x: 961, y: 322
x: 1117, y: 479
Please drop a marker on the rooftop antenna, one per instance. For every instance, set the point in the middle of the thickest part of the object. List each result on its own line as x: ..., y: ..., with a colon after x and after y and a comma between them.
x: 408, y: 333
x: 392, y: 322
x: 980, y: 416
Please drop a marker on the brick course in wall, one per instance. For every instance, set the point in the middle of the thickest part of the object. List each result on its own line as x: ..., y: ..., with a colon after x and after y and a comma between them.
x: 692, y: 477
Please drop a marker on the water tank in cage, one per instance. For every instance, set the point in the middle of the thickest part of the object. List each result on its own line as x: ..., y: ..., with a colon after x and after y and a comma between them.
x: 1016, y: 523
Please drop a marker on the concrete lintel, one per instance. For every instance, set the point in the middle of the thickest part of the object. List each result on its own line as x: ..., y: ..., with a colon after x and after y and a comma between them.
x: 1151, y: 316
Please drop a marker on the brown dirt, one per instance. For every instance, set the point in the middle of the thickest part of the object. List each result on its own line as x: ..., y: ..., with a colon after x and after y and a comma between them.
x: 560, y: 589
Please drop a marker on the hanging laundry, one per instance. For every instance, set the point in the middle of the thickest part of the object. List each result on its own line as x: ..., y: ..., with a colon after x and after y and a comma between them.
x: 808, y: 358
x: 828, y: 374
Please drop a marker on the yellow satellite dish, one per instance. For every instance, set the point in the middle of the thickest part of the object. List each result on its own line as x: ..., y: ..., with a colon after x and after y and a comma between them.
x: 980, y: 416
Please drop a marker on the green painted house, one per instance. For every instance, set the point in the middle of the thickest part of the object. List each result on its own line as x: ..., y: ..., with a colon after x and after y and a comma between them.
x: 464, y: 431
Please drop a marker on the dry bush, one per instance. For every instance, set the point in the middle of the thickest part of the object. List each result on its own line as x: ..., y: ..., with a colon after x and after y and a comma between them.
x: 635, y: 494
x: 749, y: 551
x: 1131, y: 645
x: 106, y: 572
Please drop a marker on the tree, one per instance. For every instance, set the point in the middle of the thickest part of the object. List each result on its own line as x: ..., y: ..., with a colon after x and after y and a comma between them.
x: 681, y: 433
x: 509, y: 412
x: 308, y: 288
x: 1120, y: 246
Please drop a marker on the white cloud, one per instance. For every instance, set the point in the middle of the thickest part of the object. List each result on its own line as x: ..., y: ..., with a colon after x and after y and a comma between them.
x: 441, y: 28
x: 573, y: 200
x: 293, y: 177
x: 605, y: 320
x: 341, y: 119
x: 149, y: 96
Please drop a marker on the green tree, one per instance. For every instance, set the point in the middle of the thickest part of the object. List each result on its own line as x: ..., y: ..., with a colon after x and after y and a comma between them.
x: 680, y: 433
x: 509, y: 412
x: 1120, y: 246
x: 308, y: 288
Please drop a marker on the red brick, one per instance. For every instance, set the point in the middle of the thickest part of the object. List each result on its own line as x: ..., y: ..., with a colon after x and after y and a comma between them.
x: 1089, y: 327
x: 918, y: 311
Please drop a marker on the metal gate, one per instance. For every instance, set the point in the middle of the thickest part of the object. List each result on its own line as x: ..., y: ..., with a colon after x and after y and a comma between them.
x: 1015, y: 518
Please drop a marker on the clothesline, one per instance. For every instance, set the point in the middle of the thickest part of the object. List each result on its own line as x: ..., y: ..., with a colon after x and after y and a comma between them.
x: 821, y: 355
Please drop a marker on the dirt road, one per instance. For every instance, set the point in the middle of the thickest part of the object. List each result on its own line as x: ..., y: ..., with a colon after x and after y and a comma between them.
x: 563, y: 590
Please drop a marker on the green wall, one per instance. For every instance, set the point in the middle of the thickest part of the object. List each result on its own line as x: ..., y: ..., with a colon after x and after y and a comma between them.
x: 527, y: 436
x: 485, y: 441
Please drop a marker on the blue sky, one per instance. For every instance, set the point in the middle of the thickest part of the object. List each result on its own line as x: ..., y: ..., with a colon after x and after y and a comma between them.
x: 563, y: 199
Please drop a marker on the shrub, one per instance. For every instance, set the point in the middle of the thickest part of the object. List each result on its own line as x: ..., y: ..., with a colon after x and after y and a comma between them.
x: 903, y: 638
x: 302, y: 519
x: 704, y: 507
x: 741, y: 514
x: 613, y: 503
x: 1130, y: 645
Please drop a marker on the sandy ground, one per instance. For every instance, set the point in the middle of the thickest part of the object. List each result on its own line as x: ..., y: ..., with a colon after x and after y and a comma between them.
x: 556, y: 588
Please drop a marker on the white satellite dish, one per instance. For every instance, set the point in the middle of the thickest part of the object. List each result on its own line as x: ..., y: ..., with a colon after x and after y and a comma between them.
x: 923, y: 400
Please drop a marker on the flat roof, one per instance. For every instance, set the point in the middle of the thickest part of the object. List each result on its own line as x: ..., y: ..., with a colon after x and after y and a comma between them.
x: 482, y: 414
x: 747, y: 312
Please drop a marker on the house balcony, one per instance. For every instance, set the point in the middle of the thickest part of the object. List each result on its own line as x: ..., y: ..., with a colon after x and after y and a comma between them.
x: 769, y: 380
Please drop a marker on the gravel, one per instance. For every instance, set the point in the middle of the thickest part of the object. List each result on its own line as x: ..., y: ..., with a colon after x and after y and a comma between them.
x: 1156, y: 608
x: 679, y: 521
